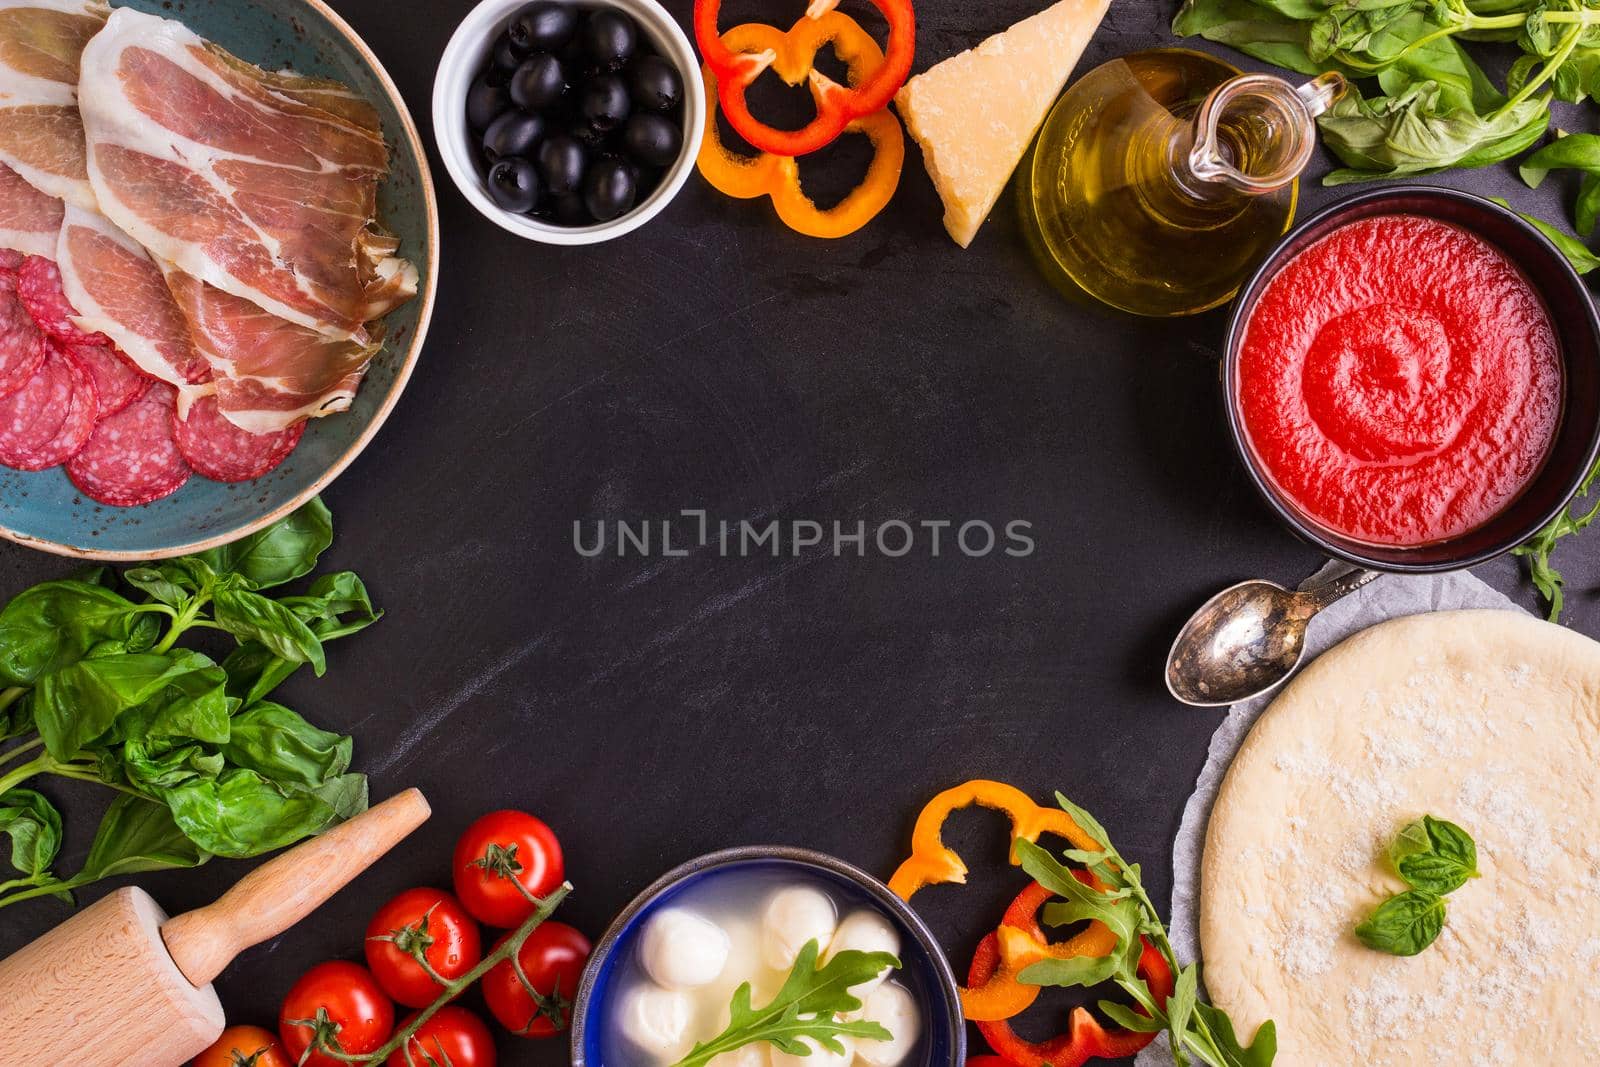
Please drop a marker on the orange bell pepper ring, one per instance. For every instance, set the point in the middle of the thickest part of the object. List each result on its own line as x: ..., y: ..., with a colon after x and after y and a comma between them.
x: 1020, y: 940
x: 778, y: 177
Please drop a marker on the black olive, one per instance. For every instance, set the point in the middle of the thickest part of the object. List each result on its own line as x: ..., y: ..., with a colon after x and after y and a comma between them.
x: 561, y: 161
x: 654, y: 83
x: 570, y: 210
x: 609, y: 189
x: 485, y: 102
x: 514, y: 133
x: 604, y: 103
x: 504, y: 59
x: 542, y: 27
x: 514, y: 185
x: 610, y: 38
x: 587, y: 135
x: 538, y: 82
x: 652, y: 139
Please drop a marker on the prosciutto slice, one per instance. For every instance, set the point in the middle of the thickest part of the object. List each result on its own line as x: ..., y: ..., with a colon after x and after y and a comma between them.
x: 29, y: 219
x: 260, y: 185
x: 270, y: 373
x: 41, y: 133
x: 118, y: 290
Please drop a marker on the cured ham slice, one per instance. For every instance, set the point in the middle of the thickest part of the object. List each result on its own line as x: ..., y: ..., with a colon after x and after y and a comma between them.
x: 118, y: 290
x: 41, y: 133
x: 261, y: 185
x: 29, y: 219
x: 270, y: 373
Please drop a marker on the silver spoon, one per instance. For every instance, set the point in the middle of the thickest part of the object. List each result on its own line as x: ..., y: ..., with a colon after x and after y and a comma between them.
x: 1248, y: 639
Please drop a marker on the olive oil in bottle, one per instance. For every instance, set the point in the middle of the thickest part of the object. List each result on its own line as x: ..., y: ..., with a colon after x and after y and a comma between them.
x: 1161, y: 179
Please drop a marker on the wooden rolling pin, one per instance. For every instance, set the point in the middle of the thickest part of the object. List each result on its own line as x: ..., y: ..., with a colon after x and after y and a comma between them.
x: 120, y: 984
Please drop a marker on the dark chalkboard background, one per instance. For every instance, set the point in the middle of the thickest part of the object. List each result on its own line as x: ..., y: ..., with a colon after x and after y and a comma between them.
x: 654, y: 709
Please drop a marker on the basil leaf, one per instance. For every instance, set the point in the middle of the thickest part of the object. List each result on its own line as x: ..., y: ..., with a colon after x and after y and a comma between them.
x: 1434, y: 855
x: 1272, y: 36
x: 345, y: 794
x: 81, y: 703
x: 155, y: 768
x: 135, y: 836
x: 336, y: 606
x: 253, y: 617
x: 282, y: 552
x: 1261, y: 1051
x: 1404, y: 925
x: 158, y: 585
x: 240, y: 814
x: 34, y: 826
x: 1418, y: 132
x: 278, y: 744
x: 53, y: 625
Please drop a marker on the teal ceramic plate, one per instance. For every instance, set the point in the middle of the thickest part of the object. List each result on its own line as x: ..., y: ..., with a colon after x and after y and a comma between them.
x: 45, y: 511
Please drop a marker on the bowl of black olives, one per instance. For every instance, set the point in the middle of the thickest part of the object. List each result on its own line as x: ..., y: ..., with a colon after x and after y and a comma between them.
x: 569, y: 121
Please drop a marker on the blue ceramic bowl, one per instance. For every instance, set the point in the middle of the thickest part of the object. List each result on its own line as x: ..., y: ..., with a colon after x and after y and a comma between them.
x: 924, y: 969
x: 43, y: 510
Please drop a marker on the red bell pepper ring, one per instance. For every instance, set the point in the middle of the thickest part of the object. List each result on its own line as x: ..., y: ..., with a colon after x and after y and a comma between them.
x: 1085, y: 1038
x: 837, y: 105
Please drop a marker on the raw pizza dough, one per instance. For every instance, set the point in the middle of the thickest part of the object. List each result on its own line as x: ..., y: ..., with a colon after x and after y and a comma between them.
x: 1489, y: 719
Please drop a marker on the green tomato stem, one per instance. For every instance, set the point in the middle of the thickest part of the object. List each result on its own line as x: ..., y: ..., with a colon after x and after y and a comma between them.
x: 512, y: 946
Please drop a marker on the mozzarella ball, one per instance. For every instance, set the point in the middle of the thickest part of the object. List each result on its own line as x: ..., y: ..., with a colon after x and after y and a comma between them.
x: 793, y: 917
x: 751, y: 1055
x: 683, y: 950
x: 657, y: 1020
x: 891, y: 1007
x: 865, y: 931
x: 819, y: 1057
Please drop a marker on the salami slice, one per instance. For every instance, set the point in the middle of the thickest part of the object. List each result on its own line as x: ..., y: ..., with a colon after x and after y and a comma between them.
x: 10, y: 260
x: 21, y: 343
x: 224, y: 453
x: 117, y: 381
x: 39, y: 286
x: 131, y: 458
x: 49, y: 419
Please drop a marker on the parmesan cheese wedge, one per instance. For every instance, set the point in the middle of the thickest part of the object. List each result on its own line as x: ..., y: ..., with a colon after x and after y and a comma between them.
x: 975, y: 114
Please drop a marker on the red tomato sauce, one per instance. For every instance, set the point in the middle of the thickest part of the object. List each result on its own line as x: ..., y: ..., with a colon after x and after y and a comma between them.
x: 1400, y: 381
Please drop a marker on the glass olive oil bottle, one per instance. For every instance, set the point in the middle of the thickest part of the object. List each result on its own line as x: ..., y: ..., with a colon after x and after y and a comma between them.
x: 1161, y: 179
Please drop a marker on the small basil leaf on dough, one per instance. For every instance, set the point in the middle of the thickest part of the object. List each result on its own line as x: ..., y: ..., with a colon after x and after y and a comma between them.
x: 1435, y: 855
x: 1261, y: 1051
x: 1404, y: 925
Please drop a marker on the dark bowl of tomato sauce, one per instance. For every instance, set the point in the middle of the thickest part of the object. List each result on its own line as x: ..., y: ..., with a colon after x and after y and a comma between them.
x: 1413, y: 380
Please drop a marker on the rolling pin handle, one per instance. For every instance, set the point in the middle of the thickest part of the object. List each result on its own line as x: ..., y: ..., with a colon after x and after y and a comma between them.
x: 284, y: 890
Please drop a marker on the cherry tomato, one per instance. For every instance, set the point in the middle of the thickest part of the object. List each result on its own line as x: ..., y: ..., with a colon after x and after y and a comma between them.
x: 433, y: 922
x: 454, y: 1036
x: 243, y: 1046
x: 343, y: 1002
x: 552, y: 959
x: 499, y: 853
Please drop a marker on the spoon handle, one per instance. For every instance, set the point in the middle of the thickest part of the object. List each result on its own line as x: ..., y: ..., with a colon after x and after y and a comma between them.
x: 1338, y: 588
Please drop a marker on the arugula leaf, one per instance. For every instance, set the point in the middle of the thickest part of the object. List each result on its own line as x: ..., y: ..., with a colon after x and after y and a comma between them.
x: 1434, y: 855
x: 1259, y: 1053
x: 34, y: 826
x: 804, y: 1013
x: 1404, y: 924
x: 280, y: 553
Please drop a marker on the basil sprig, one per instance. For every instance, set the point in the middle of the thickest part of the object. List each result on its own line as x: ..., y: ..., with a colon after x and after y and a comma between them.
x: 1435, y: 858
x: 95, y: 686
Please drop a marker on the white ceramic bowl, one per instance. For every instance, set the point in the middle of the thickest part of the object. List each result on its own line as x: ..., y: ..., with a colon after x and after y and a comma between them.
x: 467, y: 54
